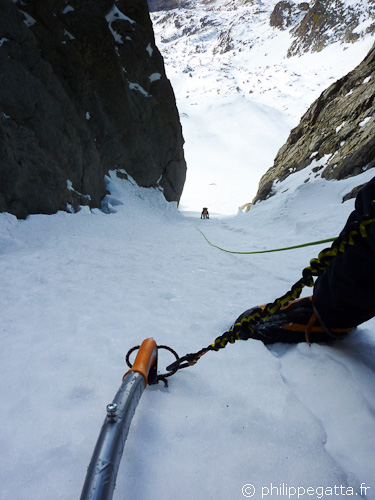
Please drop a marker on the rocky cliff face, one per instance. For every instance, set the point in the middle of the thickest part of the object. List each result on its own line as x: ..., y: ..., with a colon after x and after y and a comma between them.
x: 336, y: 134
x: 82, y: 91
x: 156, y: 5
x: 318, y: 23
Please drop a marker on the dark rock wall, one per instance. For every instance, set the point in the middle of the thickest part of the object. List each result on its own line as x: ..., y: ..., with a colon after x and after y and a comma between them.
x: 83, y: 90
x: 340, y: 126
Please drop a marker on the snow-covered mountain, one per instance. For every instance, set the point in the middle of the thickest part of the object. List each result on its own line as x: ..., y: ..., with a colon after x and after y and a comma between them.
x: 243, y: 74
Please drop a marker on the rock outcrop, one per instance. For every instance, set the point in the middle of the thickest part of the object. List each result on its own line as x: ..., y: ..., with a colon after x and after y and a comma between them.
x: 321, y: 22
x: 286, y: 14
x: 83, y: 91
x: 337, y: 133
x: 156, y: 5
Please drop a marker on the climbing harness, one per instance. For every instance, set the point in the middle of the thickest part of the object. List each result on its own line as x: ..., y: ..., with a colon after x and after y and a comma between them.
x: 355, y: 231
x: 102, y: 472
x: 302, y: 245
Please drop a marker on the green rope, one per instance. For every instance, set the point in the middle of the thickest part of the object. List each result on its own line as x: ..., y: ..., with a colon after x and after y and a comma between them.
x: 328, y: 240
x: 243, y: 329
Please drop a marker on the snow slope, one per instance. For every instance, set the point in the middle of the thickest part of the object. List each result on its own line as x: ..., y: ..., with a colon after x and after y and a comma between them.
x: 79, y: 290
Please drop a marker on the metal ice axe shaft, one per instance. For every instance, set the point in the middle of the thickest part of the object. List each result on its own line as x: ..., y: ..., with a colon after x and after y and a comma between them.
x: 102, y: 472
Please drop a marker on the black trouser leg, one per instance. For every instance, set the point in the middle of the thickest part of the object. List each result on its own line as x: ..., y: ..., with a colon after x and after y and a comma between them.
x: 345, y: 295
